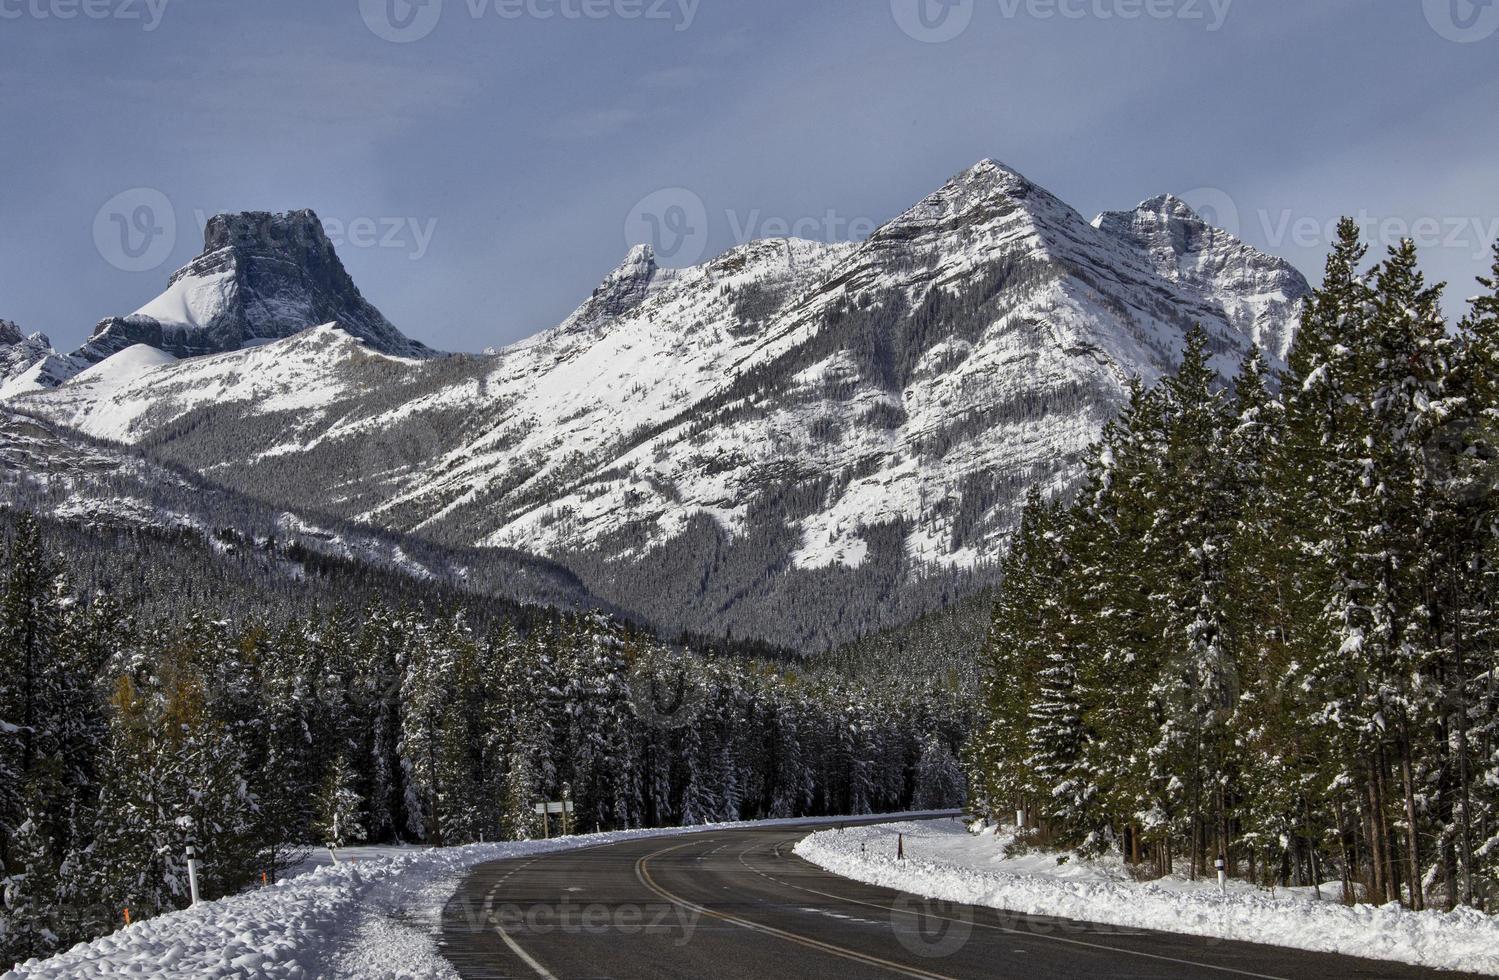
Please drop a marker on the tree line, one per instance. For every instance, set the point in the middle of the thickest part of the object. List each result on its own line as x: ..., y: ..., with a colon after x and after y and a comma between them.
x: 1265, y: 626
x: 123, y: 740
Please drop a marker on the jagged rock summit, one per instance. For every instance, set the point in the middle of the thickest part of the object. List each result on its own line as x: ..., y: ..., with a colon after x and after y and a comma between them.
x: 261, y: 277
x: 28, y: 362
x: 1259, y: 293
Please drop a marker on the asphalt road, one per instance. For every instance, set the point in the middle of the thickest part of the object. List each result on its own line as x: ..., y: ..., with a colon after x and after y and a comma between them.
x: 737, y: 904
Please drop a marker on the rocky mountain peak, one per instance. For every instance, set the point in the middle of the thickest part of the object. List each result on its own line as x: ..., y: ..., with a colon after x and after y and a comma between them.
x: 1260, y: 293
x: 1164, y: 224
x: 987, y: 203
x: 985, y: 184
x: 29, y: 362
x: 292, y: 231
x: 261, y: 276
x: 622, y: 290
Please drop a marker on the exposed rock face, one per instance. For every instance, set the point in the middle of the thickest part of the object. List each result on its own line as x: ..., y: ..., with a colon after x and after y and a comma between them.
x: 796, y: 440
x: 1259, y: 293
x: 621, y: 291
x: 261, y: 277
x: 28, y: 363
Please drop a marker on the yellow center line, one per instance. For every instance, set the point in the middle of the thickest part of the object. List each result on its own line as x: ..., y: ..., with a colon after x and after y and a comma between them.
x: 642, y: 871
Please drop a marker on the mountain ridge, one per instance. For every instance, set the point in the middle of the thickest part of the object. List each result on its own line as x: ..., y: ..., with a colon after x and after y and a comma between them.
x: 794, y: 440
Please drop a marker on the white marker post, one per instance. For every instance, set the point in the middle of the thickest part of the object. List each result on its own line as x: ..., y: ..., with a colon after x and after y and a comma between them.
x: 192, y: 873
x: 1222, y: 866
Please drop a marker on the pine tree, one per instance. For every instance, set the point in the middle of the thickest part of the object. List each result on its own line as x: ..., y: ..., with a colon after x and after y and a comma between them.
x: 30, y: 893
x: 1023, y: 634
x: 340, y: 811
x: 939, y: 780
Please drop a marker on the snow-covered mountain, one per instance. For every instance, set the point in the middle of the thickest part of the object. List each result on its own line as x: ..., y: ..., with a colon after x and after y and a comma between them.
x: 261, y: 277
x: 97, y: 485
x: 1259, y: 293
x: 28, y: 362
x: 794, y: 440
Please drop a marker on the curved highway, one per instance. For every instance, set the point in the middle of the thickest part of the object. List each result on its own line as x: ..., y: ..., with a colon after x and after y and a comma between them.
x: 737, y: 904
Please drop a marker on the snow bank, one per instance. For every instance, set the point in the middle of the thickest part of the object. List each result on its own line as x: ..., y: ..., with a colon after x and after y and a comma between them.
x: 946, y: 862
x: 371, y: 918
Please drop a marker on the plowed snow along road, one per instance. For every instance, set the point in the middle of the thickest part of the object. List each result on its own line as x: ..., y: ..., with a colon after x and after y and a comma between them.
x: 737, y: 904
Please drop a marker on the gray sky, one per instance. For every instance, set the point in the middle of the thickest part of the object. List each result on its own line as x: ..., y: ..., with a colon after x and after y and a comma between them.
x: 483, y: 170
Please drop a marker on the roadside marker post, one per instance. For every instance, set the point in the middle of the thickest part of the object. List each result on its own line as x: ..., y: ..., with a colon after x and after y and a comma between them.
x: 192, y: 873
x: 1222, y: 866
x: 900, y: 847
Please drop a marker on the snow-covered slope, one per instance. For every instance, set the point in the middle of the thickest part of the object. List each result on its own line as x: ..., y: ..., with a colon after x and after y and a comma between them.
x: 1259, y: 293
x: 797, y: 440
x: 94, y: 485
x: 260, y: 277
x: 943, y: 861
x: 136, y: 392
x: 28, y: 363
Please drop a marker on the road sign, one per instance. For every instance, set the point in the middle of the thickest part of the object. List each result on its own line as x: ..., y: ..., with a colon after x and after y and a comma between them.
x: 564, y: 808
